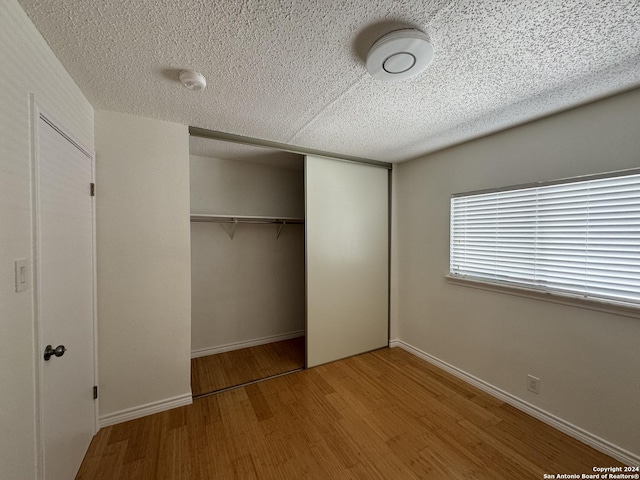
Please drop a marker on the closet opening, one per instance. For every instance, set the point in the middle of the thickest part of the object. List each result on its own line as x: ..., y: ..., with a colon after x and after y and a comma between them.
x: 247, y: 264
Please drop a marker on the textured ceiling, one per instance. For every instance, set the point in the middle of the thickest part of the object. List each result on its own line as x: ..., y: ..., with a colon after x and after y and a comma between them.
x: 293, y: 71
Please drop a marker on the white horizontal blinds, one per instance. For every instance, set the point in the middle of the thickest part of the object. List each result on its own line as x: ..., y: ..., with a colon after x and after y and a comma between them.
x: 493, y: 236
x: 580, y: 237
x: 613, y: 267
x: 561, y: 236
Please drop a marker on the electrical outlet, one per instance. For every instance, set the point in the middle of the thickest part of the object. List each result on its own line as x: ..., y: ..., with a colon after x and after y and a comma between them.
x: 533, y: 384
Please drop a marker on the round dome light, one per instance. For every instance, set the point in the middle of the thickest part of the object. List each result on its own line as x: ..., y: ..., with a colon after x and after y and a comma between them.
x: 193, y: 80
x: 399, y: 55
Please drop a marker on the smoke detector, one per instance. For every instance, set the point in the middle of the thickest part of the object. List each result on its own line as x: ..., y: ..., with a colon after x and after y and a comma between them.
x: 193, y: 80
x: 400, y: 55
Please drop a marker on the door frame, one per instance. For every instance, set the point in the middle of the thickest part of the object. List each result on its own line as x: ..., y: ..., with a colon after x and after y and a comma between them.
x: 38, y: 111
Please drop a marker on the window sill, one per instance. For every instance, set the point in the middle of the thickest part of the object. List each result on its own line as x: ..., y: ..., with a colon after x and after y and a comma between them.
x: 564, y: 299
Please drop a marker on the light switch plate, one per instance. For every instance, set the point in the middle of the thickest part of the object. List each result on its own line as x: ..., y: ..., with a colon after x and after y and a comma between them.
x: 21, y: 275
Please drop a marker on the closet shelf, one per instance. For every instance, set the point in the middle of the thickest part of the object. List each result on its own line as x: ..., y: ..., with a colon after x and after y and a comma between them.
x: 197, y: 217
x: 236, y: 219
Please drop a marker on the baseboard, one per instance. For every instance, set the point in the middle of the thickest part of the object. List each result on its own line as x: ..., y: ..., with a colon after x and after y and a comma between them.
x: 144, y: 410
x: 574, y: 431
x: 203, y: 352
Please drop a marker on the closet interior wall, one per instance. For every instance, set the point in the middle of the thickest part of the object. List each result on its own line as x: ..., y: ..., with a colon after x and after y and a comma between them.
x: 248, y: 289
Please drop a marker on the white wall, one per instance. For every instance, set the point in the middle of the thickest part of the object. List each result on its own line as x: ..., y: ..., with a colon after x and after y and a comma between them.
x: 144, y: 282
x: 587, y: 360
x: 27, y: 66
x: 250, y: 287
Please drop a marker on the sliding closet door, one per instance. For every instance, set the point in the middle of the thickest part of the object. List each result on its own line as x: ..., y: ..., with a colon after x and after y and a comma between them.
x: 347, y: 222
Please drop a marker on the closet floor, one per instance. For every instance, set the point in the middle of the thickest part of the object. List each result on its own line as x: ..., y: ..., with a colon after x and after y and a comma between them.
x: 229, y: 369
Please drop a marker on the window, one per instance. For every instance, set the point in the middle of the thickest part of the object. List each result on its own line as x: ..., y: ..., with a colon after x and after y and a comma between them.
x: 578, y: 237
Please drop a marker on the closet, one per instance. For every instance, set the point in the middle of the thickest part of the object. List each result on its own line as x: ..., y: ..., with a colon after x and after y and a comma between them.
x: 247, y: 264
x: 290, y: 260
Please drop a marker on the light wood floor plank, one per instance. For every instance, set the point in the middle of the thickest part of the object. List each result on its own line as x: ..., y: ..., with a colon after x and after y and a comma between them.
x: 229, y: 369
x: 381, y: 415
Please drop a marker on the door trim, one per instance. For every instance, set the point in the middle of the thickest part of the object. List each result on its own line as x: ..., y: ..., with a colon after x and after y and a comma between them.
x: 37, y: 112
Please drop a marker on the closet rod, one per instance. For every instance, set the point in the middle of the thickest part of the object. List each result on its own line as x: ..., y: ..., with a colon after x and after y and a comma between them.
x: 246, y: 219
x: 235, y: 220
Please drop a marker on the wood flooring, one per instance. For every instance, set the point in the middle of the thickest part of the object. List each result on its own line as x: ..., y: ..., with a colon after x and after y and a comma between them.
x: 228, y: 369
x: 381, y: 415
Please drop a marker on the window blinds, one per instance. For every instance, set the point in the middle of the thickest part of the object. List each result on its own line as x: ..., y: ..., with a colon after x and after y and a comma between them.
x: 579, y: 237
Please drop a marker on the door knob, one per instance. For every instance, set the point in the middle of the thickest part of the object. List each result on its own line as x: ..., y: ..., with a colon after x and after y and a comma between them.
x: 58, y: 351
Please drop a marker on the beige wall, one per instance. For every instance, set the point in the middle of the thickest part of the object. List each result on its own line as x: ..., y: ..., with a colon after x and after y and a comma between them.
x: 28, y: 66
x: 243, y: 188
x: 144, y: 284
x: 394, y: 286
x: 587, y: 360
x: 251, y: 287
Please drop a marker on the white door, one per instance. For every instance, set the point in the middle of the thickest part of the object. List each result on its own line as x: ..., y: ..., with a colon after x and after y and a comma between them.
x: 65, y: 296
x: 347, y: 246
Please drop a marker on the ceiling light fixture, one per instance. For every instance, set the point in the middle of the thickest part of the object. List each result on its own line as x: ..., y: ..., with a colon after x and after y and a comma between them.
x: 193, y: 80
x: 400, y: 55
